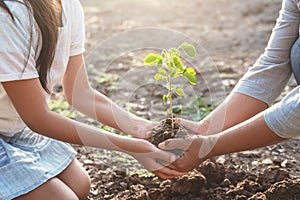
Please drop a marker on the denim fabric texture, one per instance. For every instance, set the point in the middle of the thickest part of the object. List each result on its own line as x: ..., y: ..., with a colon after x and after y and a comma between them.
x: 27, y: 160
x: 295, y: 60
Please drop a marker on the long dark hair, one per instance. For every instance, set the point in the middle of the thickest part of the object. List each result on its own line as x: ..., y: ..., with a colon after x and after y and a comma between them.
x: 44, y: 15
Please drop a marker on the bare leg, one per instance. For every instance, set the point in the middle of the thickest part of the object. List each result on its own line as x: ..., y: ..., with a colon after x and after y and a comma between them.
x: 52, y: 189
x: 77, y: 179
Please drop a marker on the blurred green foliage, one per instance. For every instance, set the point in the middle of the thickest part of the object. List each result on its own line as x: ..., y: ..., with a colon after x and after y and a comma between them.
x: 195, y: 110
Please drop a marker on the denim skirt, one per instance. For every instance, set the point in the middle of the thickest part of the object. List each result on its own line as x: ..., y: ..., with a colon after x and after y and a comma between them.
x: 27, y: 160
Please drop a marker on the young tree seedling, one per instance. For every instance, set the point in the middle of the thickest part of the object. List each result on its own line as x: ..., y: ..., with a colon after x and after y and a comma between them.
x: 170, y: 66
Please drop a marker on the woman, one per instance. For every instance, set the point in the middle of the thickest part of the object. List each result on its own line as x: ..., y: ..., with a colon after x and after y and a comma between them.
x: 248, y: 123
x: 41, y: 43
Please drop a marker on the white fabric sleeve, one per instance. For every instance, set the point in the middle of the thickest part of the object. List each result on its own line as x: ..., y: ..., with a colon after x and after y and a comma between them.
x: 271, y: 72
x: 78, y: 29
x: 17, y: 56
x: 283, y: 118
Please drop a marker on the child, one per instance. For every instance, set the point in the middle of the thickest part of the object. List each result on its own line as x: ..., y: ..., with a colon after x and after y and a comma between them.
x: 244, y: 121
x: 41, y: 43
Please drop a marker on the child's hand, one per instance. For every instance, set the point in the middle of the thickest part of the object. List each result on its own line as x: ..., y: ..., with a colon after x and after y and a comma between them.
x: 143, y: 129
x: 156, y: 160
x: 195, y: 152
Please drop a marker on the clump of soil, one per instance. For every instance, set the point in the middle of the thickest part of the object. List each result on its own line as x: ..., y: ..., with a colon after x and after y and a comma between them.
x: 286, y: 189
x: 164, y: 131
x: 211, y: 180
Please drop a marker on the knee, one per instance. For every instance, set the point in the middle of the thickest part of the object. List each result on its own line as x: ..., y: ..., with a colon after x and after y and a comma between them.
x: 77, y: 179
x: 83, y: 190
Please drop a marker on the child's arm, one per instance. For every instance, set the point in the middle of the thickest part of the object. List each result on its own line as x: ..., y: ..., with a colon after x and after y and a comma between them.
x: 28, y: 98
x: 94, y: 104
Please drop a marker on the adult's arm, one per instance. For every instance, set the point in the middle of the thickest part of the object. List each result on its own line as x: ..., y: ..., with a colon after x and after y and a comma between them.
x: 263, y: 83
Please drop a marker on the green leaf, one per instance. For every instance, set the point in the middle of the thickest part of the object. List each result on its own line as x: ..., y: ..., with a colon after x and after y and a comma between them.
x: 177, y: 109
x: 190, y: 77
x: 158, y: 77
x: 170, y: 65
x: 191, y: 71
x: 159, y: 62
x: 174, y: 74
x: 179, y: 65
x: 163, y: 54
x: 174, y: 52
x: 189, y: 49
x: 162, y: 72
x: 201, y: 102
x: 165, y: 98
x: 179, y: 92
x: 151, y: 59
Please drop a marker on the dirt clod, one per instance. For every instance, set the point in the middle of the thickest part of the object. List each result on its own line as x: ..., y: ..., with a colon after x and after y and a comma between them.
x: 208, y: 181
x: 272, y: 175
x: 164, y: 131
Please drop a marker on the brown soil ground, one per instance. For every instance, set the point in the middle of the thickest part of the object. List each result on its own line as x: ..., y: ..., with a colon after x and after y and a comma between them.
x: 230, y: 35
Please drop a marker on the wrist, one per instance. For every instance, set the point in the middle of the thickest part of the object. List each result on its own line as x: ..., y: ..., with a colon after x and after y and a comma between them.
x: 137, y: 146
x: 203, y: 127
x: 210, y: 126
x: 142, y: 128
x: 207, y: 147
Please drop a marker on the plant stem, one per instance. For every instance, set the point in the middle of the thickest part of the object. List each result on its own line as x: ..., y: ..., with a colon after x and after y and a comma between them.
x: 171, y: 104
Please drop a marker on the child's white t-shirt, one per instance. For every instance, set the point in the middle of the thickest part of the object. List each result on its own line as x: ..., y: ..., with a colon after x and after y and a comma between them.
x: 20, y: 44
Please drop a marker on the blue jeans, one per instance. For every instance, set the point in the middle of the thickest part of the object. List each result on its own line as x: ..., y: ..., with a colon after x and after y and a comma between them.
x: 295, y: 60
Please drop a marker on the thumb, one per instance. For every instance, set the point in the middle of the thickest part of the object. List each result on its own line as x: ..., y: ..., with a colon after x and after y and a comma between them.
x: 177, y: 143
x: 194, y: 126
x: 167, y: 157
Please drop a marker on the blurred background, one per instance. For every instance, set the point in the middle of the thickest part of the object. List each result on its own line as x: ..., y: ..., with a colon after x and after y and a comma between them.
x: 234, y: 32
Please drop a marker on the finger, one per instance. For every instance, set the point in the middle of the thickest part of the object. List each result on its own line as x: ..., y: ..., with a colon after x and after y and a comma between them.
x: 177, y: 143
x: 172, y: 172
x: 171, y: 166
x: 177, y: 165
x: 169, y: 173
x: 159, y: 163
x: 163, y: 176
x: 152, y: 125
x: 165, y: 157
x: 149, y: 129
x: 194, y: 126
x: 182, y: 165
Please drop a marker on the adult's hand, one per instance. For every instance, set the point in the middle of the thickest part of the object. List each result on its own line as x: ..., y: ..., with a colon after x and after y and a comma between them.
x: 200, y: 128
x: 195, y: 150
x: 156, y: 160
